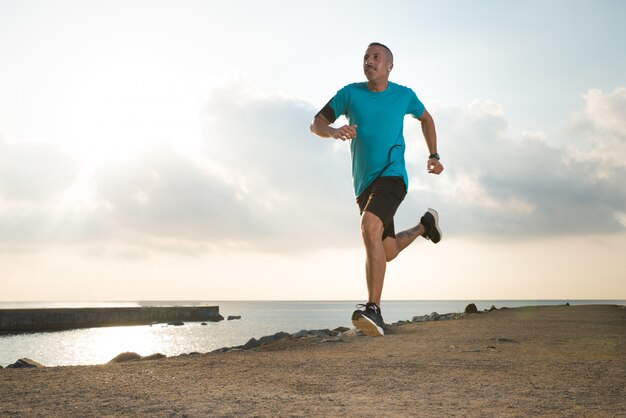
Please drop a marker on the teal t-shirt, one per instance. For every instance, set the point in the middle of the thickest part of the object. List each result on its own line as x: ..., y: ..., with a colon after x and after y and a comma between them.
x: 378, y: 147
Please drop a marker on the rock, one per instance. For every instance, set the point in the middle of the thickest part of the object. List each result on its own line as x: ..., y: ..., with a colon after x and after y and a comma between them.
x: 271, y: 338
x: 127, y: 356
x: 267, y: 339
x: 24, y: 363
x: 280, y: 335
x: 567, y: 304
x: 505, y: 340
x: 434, y: 316
x: 219, y: 318
x: 252, y: 343
x: 422, y: 318
x: 341, y: 329
x: 220, y: 350
x: 204, y: 323
x: 320, y: 332
x: 154, y: 356
x: 354, y: 332
x: 471, y: 308
x: 176, y: 323
x: 389, y: 329
x: 493, y: 308
x: 233, y: 317
x: 333, y: 340
x: 300, y: 334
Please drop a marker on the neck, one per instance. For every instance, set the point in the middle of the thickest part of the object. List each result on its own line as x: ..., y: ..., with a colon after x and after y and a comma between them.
x: 377, y: 85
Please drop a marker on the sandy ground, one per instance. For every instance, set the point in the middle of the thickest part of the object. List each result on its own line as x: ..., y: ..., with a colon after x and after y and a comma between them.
x: 536, y: 361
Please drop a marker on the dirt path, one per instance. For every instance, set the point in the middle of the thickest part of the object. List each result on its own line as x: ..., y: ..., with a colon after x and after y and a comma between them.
x: 555, y: 361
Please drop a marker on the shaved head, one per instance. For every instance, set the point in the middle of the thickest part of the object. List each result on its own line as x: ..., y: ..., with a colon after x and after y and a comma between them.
x: 385, y: 47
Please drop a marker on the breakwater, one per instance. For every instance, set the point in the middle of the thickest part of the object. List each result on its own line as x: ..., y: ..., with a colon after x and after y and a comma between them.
x: 40, y: 320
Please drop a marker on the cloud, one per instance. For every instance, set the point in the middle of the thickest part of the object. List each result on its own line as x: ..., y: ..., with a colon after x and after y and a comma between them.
x: 515, y: 187
x: 34, y: 177
x: 300, y: 183
x: 600, y: 130
x: 264, y: 183
x: 34, y: 171
x: 163, y: 194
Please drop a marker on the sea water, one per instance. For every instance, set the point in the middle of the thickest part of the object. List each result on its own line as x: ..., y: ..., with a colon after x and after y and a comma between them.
x: 258, y: 318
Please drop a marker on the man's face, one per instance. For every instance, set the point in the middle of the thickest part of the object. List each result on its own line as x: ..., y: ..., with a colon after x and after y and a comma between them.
x: 376, y: 63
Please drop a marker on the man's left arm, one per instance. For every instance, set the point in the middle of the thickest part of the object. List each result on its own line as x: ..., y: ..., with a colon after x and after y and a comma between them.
x: 434, y: 166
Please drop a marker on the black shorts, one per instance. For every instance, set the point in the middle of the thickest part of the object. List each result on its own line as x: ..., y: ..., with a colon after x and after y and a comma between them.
x: 382, y: 198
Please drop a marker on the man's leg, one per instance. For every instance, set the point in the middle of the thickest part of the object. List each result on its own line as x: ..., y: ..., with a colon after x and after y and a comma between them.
x: 393, y: 246
x: 378, y: 204
x: 375, y: 261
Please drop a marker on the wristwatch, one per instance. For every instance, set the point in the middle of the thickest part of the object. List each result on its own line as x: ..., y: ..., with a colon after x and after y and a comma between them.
x: 435, y: 156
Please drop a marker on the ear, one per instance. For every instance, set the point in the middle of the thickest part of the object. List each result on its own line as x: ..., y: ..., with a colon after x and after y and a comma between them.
x: 389, y: 67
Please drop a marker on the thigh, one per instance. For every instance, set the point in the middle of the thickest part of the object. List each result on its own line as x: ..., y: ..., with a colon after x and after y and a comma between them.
x: 382, y: 198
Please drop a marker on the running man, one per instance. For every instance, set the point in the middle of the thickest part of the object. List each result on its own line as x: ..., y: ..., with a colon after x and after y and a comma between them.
x: 375, y: 111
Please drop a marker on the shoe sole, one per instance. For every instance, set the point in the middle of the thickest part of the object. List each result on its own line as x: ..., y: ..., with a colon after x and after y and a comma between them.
x: 368, y: 327
x: 436, y: 225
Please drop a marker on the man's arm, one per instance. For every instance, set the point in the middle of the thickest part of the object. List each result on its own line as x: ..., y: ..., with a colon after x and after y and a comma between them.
x: 321, y: 127
x: 430, y: 135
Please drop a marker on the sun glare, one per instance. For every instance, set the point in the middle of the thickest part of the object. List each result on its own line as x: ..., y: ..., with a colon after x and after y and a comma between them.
x: 105, y: 343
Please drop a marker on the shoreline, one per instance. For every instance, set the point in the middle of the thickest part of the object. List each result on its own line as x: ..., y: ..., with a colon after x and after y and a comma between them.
x: 252, y: 343
x: 539, y: 360
x: 325, y: 334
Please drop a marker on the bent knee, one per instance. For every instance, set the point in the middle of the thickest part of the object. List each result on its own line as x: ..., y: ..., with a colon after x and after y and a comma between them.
x: 391, y: 256
x: 371, y: 226
x: 391, y: 248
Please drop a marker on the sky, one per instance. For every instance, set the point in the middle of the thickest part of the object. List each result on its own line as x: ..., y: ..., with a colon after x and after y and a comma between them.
x: 160, y: 150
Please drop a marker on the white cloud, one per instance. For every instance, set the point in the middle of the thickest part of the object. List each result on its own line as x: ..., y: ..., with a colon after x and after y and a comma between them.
x: 621, y: 217
x: 34, y: 171
x: 163, y: 194
x: 605, y: 112
x: 265, y: 183
x: 300, y: 183
x: 496, y: 185
x: 34, y: 179
x: 599, y: 131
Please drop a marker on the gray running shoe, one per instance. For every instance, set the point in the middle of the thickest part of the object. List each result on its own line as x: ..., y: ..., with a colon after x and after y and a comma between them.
x: 430, y: 220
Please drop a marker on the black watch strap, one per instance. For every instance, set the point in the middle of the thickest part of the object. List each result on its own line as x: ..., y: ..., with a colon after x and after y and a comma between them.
x: 435, y: 156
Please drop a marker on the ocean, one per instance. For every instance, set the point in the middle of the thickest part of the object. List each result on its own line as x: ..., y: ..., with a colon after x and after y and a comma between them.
x: 258, y: 318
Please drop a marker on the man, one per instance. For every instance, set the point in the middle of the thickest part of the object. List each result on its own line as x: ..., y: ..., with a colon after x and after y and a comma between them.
x: 375, y: 111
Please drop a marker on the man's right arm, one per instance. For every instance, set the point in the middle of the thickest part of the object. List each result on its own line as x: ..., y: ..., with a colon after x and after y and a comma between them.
x: 321, y: 127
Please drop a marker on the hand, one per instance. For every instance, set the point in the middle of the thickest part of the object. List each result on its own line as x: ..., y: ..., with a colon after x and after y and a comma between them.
x: 434, y: 166
x: 344, y: 133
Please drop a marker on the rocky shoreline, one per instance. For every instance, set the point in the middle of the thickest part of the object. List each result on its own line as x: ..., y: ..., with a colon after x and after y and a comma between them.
x: 337, y: 335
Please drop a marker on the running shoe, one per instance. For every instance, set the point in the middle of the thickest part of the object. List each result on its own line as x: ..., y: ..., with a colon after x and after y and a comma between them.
x: 369, y: 320
x: 430, y: 220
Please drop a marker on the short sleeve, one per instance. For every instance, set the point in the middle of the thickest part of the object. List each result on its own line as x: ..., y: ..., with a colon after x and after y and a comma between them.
x: 339, y: 103
x: 416, y: 107
x: 335, y: 107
